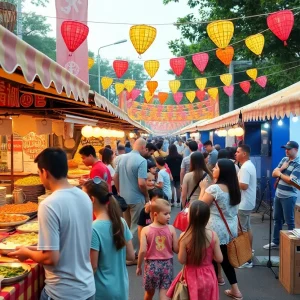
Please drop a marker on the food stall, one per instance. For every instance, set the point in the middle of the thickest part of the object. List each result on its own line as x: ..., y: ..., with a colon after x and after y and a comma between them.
x: 41, y: 105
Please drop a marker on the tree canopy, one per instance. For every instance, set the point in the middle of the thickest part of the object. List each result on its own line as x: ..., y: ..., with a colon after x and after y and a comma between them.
x: 275, y: 57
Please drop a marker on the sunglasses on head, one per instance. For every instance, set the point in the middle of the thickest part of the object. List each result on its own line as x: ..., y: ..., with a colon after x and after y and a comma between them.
x: 97, y: 180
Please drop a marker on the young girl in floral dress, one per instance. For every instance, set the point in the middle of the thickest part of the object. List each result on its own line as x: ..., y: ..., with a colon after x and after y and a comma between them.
x: 198, y: 247
x: 158, y: 242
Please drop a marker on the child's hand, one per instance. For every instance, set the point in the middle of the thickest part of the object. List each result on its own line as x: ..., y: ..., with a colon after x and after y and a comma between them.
x: 138, y: 271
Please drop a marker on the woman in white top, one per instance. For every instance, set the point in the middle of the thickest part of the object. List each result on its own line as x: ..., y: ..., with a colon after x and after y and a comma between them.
x: 226, y: 193
x: 191, y: 179
x: 107, y: 159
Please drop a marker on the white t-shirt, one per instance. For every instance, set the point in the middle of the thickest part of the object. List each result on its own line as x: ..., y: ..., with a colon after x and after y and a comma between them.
x: 65, y: 225
x: 247, y: 175
x: 180, y: 148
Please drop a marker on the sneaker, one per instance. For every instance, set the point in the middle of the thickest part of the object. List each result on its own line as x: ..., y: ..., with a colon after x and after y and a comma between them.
x: 178, y: 205
x: 253, y: 251
x: 247, y: 265
x: 272, y: 246
x: 131, y: 262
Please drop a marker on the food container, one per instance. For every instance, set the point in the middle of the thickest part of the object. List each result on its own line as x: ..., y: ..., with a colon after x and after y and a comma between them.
x: 15, y: 279
x: 29, y: 227
x: 11, y: 223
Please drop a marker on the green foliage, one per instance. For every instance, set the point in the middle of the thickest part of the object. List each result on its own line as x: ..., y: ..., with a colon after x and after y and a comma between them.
x: 194, y: 39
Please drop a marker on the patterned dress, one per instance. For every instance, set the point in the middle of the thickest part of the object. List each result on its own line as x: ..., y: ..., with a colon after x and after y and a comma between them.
x: 201, y: 280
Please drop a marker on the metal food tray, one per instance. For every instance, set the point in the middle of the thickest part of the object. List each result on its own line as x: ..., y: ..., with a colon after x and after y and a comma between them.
x: 10, y: 224
x: 13, y: 280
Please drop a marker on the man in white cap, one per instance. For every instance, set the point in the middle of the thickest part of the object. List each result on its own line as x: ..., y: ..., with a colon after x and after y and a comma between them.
x: 286, y: 193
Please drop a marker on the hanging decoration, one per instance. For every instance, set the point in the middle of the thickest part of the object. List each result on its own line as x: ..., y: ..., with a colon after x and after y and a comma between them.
x: 119, y: 87
x: 106, y: 82
x: 245, y: 86
x: 129, y: 103
x: 174, y: 85
x: 252, y: 73
x: 151, y: 66
x: 262, y: 81
x: 201, y: 83
x: 177, y: 64
x: 228, y: 90
x: 148, y: 96
x: 91, y: 62
x: 226, y: 79
x: 152, y: 86
x: 142, y: 37
x: 129, y: 84
x: 191, y: 96
x: 120, y: 67
x: 200, y: 60
x: 225, y: 55
x: 178, y: 97
x: 281, y: 24
x: 255, y: 43
x: 220, y: 32
x: 213, y: 92
x: 200, y: 95
x: 74, y: 34
x: 162, y: 97
x: 134, y: 94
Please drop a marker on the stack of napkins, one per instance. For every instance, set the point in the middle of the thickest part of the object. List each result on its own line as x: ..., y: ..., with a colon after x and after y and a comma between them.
x: 296, y: 232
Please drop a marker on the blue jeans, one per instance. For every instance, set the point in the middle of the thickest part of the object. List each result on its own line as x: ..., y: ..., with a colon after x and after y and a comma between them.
x: 44, y: 296
x: 283, y: 211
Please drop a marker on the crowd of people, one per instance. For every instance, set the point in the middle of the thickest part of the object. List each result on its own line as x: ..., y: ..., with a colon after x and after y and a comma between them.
x: 86, y: 259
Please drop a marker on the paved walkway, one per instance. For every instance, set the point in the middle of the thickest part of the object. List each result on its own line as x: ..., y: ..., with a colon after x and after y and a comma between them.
x: 257, y: 283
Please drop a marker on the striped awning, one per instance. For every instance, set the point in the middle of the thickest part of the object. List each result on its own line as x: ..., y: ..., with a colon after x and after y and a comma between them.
x: 15, y: 53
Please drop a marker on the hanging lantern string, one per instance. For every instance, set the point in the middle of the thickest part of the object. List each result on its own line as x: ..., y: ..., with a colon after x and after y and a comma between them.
x: 213, y: 76
x: 236, y: 83
x: 163, y: 24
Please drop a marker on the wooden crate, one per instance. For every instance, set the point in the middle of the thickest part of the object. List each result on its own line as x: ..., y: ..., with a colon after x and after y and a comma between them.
x: 289, y: 269
x: 297, y: 215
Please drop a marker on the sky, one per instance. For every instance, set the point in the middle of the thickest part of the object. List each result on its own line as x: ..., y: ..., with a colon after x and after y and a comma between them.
x: 133, y: 12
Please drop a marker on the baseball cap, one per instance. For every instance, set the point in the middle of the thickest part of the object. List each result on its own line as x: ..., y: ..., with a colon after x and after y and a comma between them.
x: 290, y: 145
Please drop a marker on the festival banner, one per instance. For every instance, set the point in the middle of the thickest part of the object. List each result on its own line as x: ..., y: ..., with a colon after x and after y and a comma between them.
x: 77, y: 62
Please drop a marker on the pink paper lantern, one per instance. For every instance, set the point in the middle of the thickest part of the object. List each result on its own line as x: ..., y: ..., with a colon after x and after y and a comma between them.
x: 245, y: 86
x: 178, y: 97
x: 228, y: 90
x: 135, y: 93
x: 200, y: 60
x: 262, y: 81
x: 177, y: 64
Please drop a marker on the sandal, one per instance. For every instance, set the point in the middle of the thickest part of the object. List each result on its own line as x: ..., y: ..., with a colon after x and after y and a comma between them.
x: 221, y: 281
x: 229, y: 294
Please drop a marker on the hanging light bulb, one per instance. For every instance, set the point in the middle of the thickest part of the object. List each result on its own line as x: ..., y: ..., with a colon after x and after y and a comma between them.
x: 295, y: 119
x: 280, y: 123
x: 231, y: 132
x: 266, y: 125
x: 96, y: 132
x: 87, y: 131
x: 239, y: 131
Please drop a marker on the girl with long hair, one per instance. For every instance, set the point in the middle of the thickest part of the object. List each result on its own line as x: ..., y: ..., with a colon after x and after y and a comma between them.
x: 226, y: 193
x: 107, y: 159
x: 111, y: 243
x: 174, y: 160
x: 198, y: 247
x: 198, y: 169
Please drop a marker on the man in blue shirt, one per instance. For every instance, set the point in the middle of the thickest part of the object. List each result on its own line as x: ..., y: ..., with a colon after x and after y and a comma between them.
x: 286, y: 193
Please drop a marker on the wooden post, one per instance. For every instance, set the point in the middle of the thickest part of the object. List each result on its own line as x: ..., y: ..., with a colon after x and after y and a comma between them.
x: 12, y: 162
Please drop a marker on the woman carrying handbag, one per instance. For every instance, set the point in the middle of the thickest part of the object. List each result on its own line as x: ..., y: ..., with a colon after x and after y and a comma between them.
x: 226, y: 193
x: 198, y: 247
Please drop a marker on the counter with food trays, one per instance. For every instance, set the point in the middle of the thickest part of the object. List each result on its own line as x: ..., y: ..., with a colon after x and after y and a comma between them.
x: 19, y: 227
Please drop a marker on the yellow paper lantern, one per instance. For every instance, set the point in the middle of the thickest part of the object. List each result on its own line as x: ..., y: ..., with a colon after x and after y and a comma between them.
x: 142, y: 36
x: 201, y: 83
x: 129, y: 84
x: 151, y: 66
x: 106, y: 82
x: 148, y: 96
x: 252, y: 73
x: 213, y: 92
x: 226, y: 79
x: 174, y: 86
x: 191, y: 96
x: 220, y: 32
x: 255, y: 43
x: 119, y: 87
x: 91, y: 62
x: 152, y: 86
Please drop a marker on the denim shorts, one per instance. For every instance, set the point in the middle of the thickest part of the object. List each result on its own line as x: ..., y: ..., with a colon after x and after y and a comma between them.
x: 44, y: 296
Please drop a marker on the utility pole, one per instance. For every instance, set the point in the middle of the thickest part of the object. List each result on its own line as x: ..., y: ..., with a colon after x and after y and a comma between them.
x: 19, y: 20
x: 240, y: 63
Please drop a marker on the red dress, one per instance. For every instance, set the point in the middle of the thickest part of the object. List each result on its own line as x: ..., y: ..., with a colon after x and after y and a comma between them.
x: 201, y: 280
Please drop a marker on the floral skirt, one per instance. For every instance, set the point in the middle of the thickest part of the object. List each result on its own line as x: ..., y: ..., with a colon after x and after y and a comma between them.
x: 158, y: 274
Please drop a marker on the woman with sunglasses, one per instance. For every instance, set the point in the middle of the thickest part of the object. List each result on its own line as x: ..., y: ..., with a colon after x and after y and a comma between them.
x: 111, y: 243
